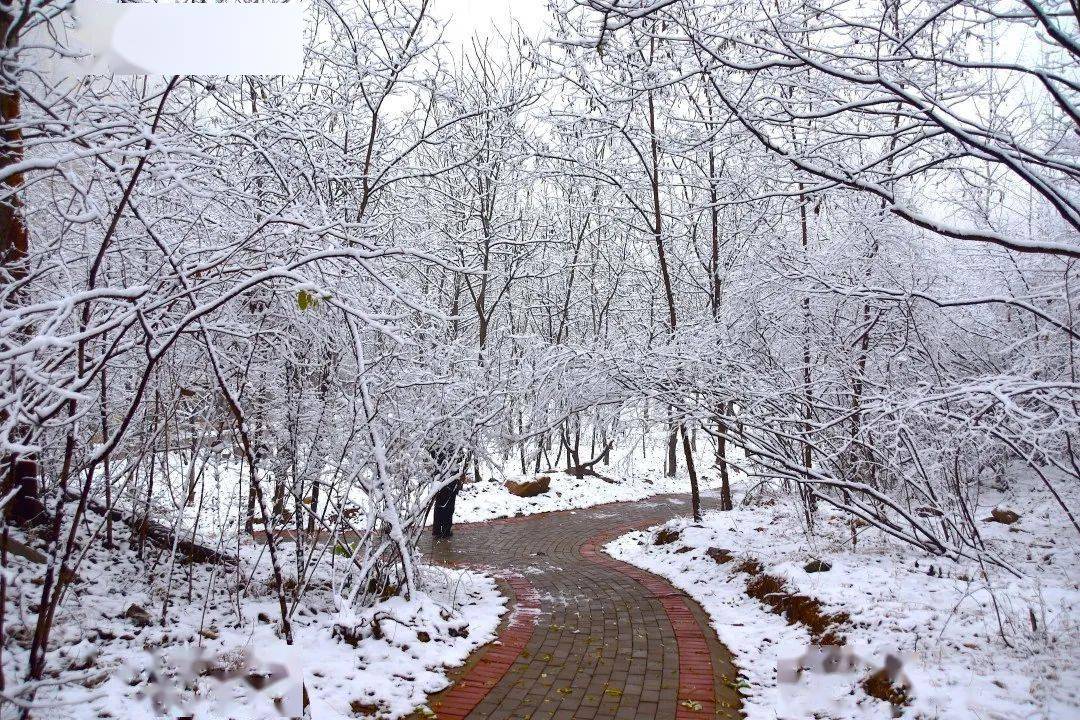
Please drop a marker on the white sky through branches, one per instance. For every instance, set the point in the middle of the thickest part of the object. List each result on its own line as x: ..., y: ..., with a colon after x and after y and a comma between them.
x: 466, y: 17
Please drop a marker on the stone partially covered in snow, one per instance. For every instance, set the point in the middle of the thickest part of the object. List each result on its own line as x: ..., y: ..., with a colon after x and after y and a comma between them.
x: 529, y: 488
x: 138, y: 615
x: 1005, y: 517
x: 817, y: 566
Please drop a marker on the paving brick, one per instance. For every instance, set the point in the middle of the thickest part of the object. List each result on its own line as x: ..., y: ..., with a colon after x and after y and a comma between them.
x: 588, y: 636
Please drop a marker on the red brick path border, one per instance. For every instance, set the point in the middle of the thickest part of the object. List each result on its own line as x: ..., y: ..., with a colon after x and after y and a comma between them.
x: 697, y: 692
x: 466, y: 694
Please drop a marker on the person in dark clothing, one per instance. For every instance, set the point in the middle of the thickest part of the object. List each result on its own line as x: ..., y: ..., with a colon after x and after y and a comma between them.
x: 447, y: 465
x: 444, y: 509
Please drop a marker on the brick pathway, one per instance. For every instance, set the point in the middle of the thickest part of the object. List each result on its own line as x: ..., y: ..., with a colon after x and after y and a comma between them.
x: 589, y: 636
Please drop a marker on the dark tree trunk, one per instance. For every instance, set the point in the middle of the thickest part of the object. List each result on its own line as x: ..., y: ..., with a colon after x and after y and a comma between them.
x: 672, y: 446
x: 721, y: 461
x: 695, y: 494
x: 21, y: 469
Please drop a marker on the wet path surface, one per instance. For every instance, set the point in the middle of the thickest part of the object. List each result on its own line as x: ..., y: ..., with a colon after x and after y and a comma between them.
x: 589, y: 636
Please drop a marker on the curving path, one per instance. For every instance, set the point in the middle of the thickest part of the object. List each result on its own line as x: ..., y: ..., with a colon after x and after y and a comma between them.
x: 588, y: 636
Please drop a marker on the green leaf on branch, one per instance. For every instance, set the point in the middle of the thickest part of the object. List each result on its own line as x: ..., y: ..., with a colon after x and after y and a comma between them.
x: 306, y: 300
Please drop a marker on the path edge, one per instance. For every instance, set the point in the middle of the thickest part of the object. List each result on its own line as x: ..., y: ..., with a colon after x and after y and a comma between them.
x: 701, y: 694
x: 495, y: 658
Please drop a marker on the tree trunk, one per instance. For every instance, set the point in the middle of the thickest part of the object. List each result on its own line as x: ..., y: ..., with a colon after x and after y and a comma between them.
x: 21, y: 469
x: 695, y: 495
x: 721, y: 460
x: 672, y: 446
x: 807, y: 493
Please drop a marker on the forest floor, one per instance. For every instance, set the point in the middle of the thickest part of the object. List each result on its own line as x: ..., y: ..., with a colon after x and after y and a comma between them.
x: 967, y: 646
x: 628, y: 478
x: 136, y: 639
x: 136, y: 635
x: 617, y: 611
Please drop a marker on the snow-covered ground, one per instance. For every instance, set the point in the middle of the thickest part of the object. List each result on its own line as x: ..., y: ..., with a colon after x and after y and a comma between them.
x: 937, y: 617
x: 118, y: 660
x: 629, y: 477
x: 489, y: 499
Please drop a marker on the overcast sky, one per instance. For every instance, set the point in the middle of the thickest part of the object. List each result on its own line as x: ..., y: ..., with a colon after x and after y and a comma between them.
x: 469, y: 16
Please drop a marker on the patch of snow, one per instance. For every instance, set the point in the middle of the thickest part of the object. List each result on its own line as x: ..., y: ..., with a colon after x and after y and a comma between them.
x: 489, y: 499
x: 197, y: 662
x: 943, y: 626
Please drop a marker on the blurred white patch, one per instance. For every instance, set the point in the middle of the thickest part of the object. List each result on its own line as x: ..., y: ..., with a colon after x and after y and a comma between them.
x: 189, y: 682
x: 198, y: 39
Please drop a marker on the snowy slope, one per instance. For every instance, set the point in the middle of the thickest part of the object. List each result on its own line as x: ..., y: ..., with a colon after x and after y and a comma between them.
x: 118, y: 663
x: 960, y: 663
